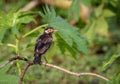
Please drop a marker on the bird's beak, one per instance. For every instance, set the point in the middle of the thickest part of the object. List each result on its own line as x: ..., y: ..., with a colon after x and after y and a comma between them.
x: 55, y: 30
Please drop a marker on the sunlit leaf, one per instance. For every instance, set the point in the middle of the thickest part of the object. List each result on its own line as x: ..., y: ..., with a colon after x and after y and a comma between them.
x: 102, y: 27
x: 99, y: 10
x: 108, y: 13
x: 89, y: 31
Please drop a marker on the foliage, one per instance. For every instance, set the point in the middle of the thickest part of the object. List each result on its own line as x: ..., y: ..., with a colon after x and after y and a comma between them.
x: 68, y: 33
x: 95, y: 46
x: 6, y: 78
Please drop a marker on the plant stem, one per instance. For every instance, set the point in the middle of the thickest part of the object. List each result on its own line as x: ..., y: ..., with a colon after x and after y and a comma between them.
x: 17, y: 52
x: 17, y: 44
x: 34, y: 30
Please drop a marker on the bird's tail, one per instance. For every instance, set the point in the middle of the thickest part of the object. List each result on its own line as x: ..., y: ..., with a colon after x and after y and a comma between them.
x: 37, y: 59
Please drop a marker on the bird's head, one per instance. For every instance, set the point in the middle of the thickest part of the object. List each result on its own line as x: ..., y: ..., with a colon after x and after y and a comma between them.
x: 49, y: 30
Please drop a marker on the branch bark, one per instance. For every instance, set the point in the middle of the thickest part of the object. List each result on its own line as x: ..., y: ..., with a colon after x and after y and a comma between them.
x: 23, y: 72
x: 74, y: 73
x: 3, y: 65
x: 30, y: 63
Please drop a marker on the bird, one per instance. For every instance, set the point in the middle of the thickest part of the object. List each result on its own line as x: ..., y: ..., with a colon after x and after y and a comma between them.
x: 42, y: 44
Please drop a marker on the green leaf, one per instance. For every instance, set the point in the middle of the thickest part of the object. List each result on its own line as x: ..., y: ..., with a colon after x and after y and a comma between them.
x: 108, y: 13
x: 86, y: 2
x: 8, y: 79
x: 7, y: 21
x: 2, y: 33
x: 26, y: 19
x: 68, y: 33
x: 98, y: 26
x: 89, y: 31
x: 65, y: 47
x: 73, y: 12
x: 15, y: 31
x: 115, y: 79
x: 102, y: 27
x: 35, y: 29
x: 110, y: 61
x: 99, y: 10
x: 4, y: 69
x: 49, y: 15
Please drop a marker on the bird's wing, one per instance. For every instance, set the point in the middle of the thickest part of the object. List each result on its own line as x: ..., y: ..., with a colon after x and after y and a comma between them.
x: 42, y: 44
x: 38, y: 44
x: 47, y: 40
x: 43, y: 49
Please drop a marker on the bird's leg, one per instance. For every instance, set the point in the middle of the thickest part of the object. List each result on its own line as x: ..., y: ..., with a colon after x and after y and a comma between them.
x: 45, y: 59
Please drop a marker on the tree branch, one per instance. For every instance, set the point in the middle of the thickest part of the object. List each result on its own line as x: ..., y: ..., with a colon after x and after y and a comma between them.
x: 74, y: 73
x: 29, y: 63
x: 13, y: 59
x: 23, y: 72
x: 3, y: 65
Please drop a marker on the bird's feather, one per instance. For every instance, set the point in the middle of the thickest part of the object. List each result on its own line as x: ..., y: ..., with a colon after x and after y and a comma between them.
x: 42, y: 44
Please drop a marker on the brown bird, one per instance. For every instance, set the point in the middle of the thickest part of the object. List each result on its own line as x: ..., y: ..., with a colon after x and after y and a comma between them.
x: 43, y: 43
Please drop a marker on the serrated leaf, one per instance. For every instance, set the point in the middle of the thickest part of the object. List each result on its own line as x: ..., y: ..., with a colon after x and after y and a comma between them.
x: 68, y: 33
x: 63, y: 48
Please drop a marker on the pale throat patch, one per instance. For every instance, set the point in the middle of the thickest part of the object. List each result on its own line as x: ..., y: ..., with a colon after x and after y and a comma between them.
x: 49, y: 31
x: 46, y: 31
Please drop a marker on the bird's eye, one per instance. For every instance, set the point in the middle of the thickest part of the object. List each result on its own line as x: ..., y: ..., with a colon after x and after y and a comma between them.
x: 49, y: 30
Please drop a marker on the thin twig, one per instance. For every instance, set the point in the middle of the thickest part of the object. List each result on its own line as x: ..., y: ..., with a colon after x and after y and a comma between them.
x: 29, y: 63
x: 23, y: 73
x: 74, y: 73
x: 13, y: 59
x: 3, y: 65
x: 18, y: 58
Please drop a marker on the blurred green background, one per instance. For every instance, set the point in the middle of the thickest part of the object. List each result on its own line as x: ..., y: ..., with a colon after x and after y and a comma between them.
x: 88, y: 40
